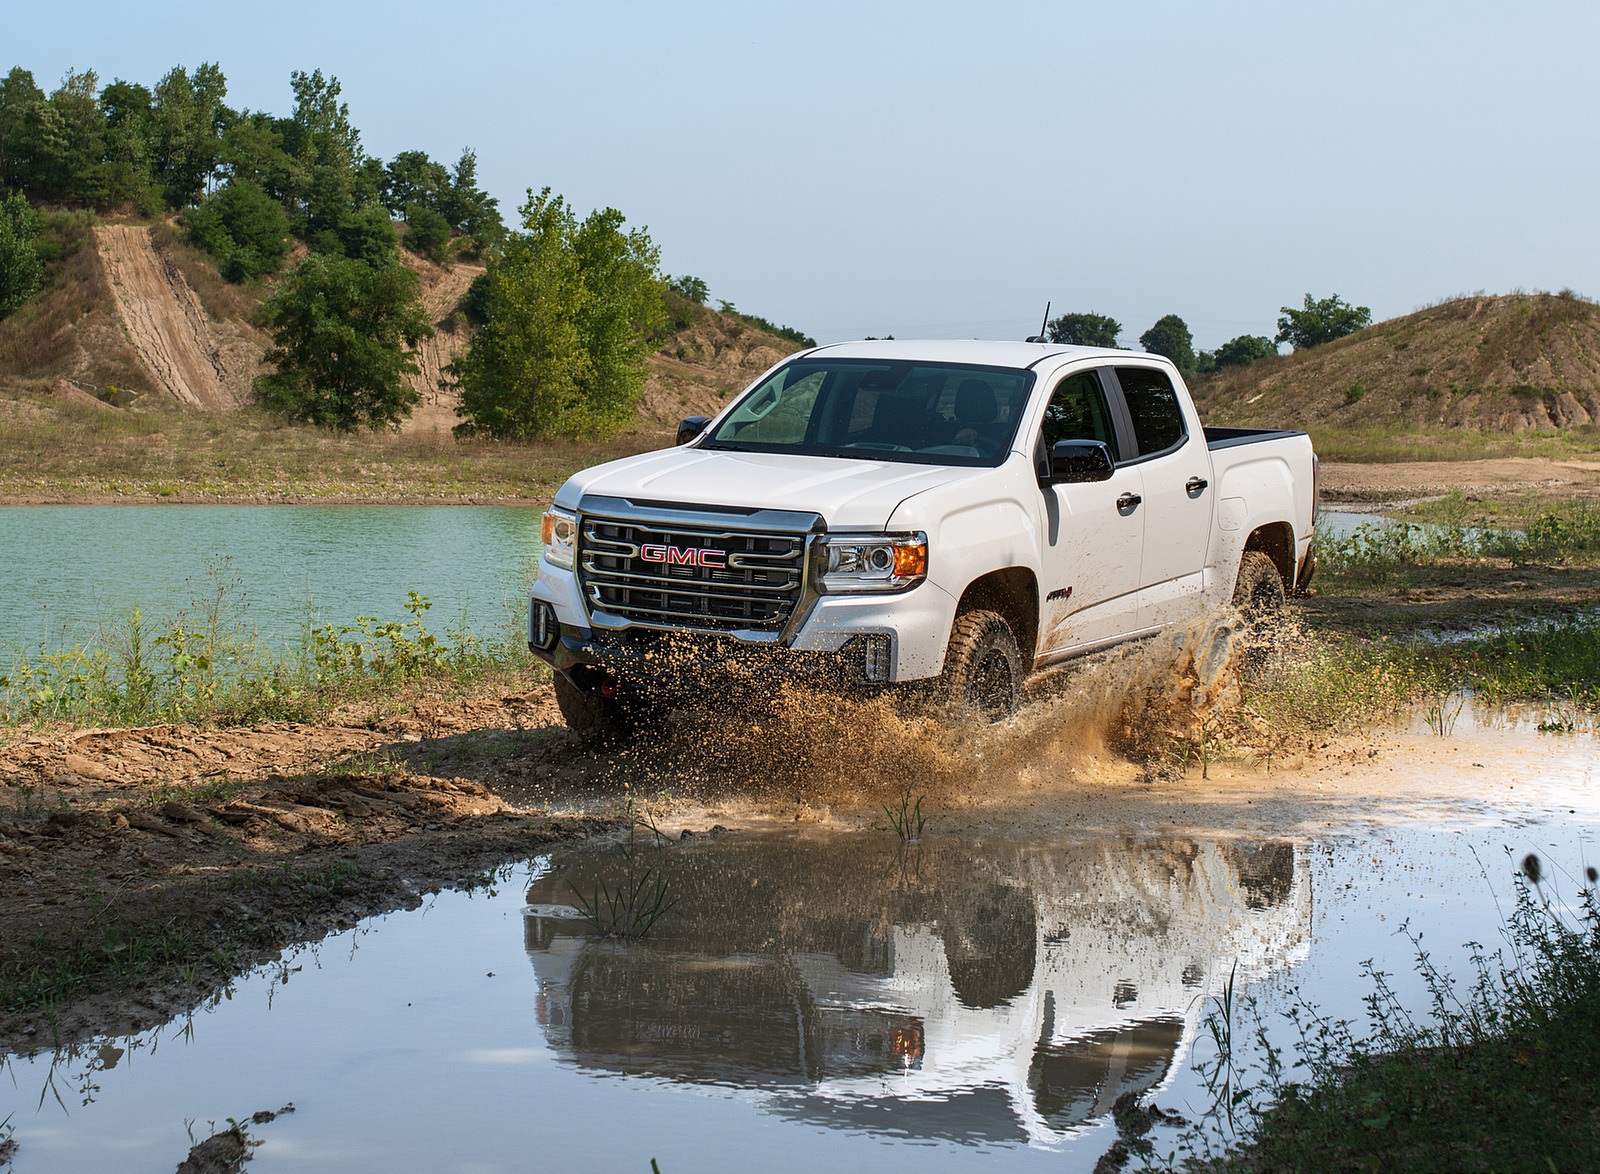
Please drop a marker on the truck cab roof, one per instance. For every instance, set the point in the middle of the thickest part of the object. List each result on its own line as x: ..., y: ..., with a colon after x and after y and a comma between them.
x: 980, y: 351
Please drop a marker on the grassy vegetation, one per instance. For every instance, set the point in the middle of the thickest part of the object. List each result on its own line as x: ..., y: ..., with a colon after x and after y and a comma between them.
x: 1503, y: 1076
x: 55, y: 450
x: 204, y: 666
x: 1380, y: 443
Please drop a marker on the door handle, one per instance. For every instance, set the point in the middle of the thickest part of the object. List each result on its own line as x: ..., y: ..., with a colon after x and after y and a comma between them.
x: 1128, y: 502
x: 1196, y: 486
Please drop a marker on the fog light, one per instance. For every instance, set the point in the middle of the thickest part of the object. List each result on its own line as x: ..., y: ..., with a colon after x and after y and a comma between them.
x: 875, y: 661
x: 542, y: 626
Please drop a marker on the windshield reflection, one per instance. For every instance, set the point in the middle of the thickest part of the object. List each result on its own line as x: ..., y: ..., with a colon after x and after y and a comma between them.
x: 976, y: 993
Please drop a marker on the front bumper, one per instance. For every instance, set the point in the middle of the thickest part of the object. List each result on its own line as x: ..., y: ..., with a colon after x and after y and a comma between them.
x: 841, y: 639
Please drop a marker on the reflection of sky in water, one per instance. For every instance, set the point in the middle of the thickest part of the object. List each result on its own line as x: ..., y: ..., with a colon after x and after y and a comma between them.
x: 809, y: 1004
x: 67, y: 568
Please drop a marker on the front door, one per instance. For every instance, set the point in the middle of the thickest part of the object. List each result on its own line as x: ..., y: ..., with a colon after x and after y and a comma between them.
x: 1093, y: 531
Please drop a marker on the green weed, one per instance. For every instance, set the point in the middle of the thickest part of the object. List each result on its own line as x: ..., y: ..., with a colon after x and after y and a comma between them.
x: 1500, y: 1075
x: 907, y: 821
x: 640, y: 898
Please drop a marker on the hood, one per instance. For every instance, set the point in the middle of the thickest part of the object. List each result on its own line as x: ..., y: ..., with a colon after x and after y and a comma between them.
x: 849, y: 494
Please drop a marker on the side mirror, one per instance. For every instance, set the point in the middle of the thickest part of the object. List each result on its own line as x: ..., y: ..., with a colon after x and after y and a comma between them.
x: 1074, y: 461
x: 690, y: 427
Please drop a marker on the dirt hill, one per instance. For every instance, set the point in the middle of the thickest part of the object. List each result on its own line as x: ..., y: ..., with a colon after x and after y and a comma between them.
x: 134, y: 314
x: 1515, y: 363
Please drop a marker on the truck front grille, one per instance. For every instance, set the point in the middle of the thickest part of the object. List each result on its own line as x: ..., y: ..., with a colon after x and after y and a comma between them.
x: 690, y: 576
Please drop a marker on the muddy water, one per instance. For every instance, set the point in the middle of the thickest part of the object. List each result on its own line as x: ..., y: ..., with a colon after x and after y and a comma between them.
x: 824, y: 996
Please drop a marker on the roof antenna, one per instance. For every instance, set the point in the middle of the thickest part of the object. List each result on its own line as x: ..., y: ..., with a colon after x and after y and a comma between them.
x: 1043, y: 326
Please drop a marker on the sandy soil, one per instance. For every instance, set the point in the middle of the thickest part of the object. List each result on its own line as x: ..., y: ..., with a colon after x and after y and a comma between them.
x: 1503, y: 477
x: 165, y: 321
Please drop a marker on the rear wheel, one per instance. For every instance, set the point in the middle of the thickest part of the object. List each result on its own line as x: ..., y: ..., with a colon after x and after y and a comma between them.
x: 1259, y: 592
x: 1261, y: 601
x: 983, y: 671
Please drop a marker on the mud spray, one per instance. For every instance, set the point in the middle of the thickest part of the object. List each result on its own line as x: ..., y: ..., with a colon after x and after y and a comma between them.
x: 1136, y: 710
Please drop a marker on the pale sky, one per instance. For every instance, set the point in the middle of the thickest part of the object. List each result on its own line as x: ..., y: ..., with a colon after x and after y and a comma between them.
x: 941, y: 170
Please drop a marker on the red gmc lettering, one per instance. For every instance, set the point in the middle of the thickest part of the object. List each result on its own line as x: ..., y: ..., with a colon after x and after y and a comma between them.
x: 683, y: 556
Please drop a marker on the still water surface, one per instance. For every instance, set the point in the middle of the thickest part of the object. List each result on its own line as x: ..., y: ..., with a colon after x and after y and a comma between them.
x: 65, y: 570
x: 815, y: 1001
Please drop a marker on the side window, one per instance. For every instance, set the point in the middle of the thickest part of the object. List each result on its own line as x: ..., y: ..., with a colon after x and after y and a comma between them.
x: 1153, y: 404
x: 1078, y: 411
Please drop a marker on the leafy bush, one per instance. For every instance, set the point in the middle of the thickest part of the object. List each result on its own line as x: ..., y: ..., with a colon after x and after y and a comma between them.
x: 20, y: 264
x: 692, y: 288
x: 569, y: 311
x: 244, y: 228
x: 1085, y: 330
x: 427, y: 233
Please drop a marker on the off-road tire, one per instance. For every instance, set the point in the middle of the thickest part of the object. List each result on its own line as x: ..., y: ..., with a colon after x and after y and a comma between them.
x: 983, y: 671
x: 1259, y: 592
x: 591, y: 716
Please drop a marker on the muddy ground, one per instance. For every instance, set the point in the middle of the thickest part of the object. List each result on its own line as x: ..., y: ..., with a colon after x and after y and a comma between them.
x: 143, y: 869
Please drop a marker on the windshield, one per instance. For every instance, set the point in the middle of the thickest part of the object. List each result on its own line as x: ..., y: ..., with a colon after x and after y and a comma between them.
x: 880, y: 410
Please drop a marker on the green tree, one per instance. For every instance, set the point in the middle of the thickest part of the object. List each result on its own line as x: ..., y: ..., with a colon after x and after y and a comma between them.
x: 129, y: 133
x: 570, y: 310
x: 243, y: 227
x: 415, y: 181
x: 427, y: 233
x: 341, y: 333
x: 1170, y: 337
x: 471, y: 210
x: 187, y: 121
x: 692, y: 288
x: 72, y: 163
x: 21, y: 109
x: 19, y: 260
x: 1085, y: 330
x: 1321, y: 321
x: 1244, y: 350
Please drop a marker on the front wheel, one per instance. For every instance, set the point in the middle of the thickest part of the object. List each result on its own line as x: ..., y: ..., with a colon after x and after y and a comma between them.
x: 983, y: 671
x: 593, y: 715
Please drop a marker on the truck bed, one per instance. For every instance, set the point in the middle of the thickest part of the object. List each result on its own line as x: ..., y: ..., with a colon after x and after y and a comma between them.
x: 1229, y: 437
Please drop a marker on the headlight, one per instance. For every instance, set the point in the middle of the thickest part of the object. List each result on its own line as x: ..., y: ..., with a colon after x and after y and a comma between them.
x: 559, y: 533
x: 874, y: 562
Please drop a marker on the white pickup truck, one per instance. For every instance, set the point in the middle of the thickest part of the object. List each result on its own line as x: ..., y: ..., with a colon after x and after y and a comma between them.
x: 955, y: 513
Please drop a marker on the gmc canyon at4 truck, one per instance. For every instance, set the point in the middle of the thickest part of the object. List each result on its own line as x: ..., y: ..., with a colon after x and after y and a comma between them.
x: 954, y: 513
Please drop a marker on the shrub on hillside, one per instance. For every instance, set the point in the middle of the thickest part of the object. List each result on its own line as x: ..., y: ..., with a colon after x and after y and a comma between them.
x: 242, y: 227
x: 427, y: 233
x: 20, y: 267
x: 1321, y: 320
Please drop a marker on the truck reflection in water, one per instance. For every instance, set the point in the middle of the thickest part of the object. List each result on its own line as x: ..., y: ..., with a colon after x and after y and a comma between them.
x: 972, y: 993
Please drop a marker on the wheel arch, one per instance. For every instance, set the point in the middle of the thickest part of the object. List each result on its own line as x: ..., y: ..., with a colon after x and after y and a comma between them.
x: 1013, y: 592
x: 1276, y: 541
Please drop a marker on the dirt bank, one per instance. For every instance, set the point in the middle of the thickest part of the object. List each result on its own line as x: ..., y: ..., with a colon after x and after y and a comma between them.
x: 1505, y: 477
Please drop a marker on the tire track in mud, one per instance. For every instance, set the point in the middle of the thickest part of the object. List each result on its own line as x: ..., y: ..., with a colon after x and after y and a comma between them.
x: 163, y: 317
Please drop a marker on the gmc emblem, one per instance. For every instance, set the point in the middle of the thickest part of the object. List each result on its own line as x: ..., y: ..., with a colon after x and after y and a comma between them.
x: 683, y: 556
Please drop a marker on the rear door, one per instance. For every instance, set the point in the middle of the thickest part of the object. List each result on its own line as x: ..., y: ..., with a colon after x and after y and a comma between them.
x: 1176, y: 467
x: 1092, y: 544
